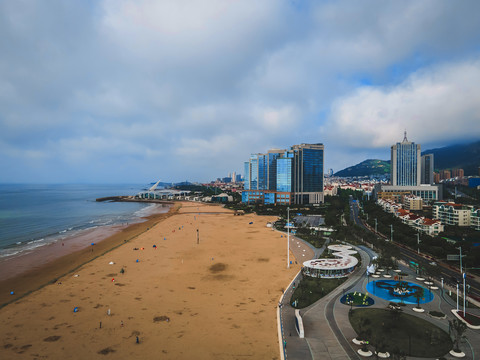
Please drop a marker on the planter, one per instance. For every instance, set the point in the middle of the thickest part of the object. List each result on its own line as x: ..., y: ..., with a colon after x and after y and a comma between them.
x: 419, y: 310
x: 456, y: 313
x: 358, y: 342
x: 438, y: 317
x: 367, y: 353
x: 460, y: 354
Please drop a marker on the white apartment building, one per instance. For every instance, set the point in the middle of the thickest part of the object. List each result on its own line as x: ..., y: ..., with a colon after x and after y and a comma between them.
x: 452, y: 214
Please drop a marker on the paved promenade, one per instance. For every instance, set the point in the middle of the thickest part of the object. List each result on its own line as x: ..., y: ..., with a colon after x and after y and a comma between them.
x: 328, y: 333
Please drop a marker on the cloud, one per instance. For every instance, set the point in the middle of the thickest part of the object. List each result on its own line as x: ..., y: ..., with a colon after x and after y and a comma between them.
x: 439, y: 103
x: 150, y: 86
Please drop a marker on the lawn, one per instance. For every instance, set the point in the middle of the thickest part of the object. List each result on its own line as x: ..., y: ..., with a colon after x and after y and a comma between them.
x: 357, y: 299
x: 397, y: 332
x: 312, y: 289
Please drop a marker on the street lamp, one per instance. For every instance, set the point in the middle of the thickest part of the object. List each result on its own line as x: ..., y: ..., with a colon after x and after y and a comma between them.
x: 391, y: 233
x: 418, y: 243
x: 288, y: 237
x: 464, y: 293
x: 460, y: 248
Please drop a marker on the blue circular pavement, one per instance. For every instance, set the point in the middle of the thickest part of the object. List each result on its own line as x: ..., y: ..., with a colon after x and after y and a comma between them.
x: 395, y: 291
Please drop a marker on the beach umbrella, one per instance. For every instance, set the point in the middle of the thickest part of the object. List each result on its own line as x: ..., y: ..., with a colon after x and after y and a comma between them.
x: 137, y: 260
x: 75, y: 309
x: 250, y: 223
x: 12, y: 292
x: 93, y: 244
x: 154, y: 246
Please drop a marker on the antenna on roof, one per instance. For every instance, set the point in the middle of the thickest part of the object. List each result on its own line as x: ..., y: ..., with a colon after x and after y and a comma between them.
x: 405, y: 136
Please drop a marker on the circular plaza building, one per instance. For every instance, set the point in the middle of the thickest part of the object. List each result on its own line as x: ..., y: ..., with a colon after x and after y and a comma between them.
x: 343, y: 265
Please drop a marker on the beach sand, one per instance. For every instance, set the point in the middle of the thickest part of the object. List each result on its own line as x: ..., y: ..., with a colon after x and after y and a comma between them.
x: 212, y: 300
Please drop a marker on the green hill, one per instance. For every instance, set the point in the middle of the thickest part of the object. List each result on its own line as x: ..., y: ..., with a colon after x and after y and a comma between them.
x: 366, y: 168
x: 461, y: 156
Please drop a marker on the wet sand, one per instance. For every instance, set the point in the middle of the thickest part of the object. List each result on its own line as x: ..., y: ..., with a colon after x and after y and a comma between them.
x: 212, y: 300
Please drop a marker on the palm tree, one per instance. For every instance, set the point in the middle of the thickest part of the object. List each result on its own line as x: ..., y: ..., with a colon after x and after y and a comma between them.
x: 457, y: 329
x: 418, y: 295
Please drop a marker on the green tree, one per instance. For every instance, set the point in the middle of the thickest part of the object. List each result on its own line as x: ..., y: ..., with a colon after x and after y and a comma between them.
x: 457, y: 330
x: 419, y: 293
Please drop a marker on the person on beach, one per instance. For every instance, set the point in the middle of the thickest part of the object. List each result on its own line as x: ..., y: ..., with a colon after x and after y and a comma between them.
x: 121, y: 323
x: 137, y: 340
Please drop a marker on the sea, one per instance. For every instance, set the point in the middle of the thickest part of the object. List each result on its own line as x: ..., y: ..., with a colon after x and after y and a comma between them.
x: 32, y: 216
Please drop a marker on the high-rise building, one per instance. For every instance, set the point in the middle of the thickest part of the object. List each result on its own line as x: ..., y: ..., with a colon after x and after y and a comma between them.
x: 405, y: 164
x: 406, y: 174
x: 308, y: 173
x: 458, y: 173
x: 427, y: 169
x: 445, y: 174
x: 286, y: 176
x: 272, y: 156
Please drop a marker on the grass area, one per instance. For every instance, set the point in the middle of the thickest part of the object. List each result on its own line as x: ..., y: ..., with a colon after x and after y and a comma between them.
x: 397, y: 332
x: 312, y: 289
x: 357, y: 299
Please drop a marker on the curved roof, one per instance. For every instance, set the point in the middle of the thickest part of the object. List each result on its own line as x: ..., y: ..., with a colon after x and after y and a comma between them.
x: 344, y: 261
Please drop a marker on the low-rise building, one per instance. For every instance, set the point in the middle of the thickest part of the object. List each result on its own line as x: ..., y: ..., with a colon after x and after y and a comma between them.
x: 475, y: 219
x: 412, y: 202
x: 452, y: 214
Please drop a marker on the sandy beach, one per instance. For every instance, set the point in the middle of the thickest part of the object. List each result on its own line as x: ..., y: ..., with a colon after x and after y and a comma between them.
x: 215, y: 299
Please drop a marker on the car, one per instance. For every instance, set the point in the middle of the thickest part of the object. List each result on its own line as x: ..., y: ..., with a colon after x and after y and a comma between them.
x: 433, y: 263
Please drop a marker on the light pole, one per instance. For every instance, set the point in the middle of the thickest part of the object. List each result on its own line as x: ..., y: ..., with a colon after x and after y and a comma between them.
x: 418, y: 243
x: 457, y: 297
x: 391, y: 233
x: 288, y: 237
x: 460, y: 248
x: 464, y: 293
x: 375, y: 225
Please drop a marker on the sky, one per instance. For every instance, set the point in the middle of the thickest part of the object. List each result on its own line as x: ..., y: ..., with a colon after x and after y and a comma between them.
x: 123, y: 91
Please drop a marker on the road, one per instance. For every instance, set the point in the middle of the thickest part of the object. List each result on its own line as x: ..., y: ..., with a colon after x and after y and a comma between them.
x: 449, y: 275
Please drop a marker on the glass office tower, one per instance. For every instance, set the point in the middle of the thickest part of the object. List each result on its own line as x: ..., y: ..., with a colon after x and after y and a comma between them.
x: 405, y: 164
x: 246, y: 175
x: 427, y: 169
x: 308, y: 173
x: 286, y: 176
x: 253, y: 172
x: 262, y: 171
x: 285, y: 173
x: 272, y: 156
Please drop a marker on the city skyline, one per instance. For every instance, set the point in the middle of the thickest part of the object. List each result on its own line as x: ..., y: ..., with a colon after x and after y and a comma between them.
x: 135, y: 91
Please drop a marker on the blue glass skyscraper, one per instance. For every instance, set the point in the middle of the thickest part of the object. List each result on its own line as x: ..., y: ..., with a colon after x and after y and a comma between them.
x: 286, y: 176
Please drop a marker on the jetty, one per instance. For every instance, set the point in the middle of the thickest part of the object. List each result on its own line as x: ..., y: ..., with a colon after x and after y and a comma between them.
x: 132, y: 199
